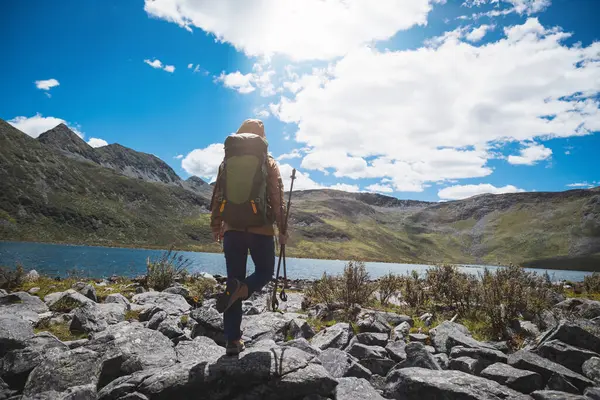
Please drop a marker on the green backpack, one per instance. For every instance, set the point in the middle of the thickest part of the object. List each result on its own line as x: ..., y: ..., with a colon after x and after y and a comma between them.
x: 243, y: 179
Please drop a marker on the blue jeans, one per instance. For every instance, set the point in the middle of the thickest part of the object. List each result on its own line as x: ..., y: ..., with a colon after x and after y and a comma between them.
x: 262, y: 250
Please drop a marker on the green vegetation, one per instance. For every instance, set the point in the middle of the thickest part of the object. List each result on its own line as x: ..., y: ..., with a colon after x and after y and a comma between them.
x: 166, y: 270
x: 61, y: 331
x: 11, y: 278
x: 132, y: 315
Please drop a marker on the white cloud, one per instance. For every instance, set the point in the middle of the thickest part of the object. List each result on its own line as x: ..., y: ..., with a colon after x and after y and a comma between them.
x: 345, y: 187
x: 190, y: 66
x: 585, y: 184
x: 204, y: 162
x: 260, y: 78
x: 261, y: 113
x: 439, y: 113
x: 302, y: 182
x: 46, y: 84
x: 159, y: 65
x: 379, y: 188
x: 95, y: 142
x: 238, y: 81
x: 530, y: 155
x: 38, y: 124
x: 478, y: 33
x: 178, y: 156
x: 520, y: 7
x: 459, y: 192
x: 296, y: 153
x: 301, y: 30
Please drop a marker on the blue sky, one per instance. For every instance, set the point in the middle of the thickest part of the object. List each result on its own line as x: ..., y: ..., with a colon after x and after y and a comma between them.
x: 425, y: 99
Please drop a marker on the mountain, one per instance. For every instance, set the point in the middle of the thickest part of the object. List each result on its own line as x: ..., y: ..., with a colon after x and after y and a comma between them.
x: 59, y: 189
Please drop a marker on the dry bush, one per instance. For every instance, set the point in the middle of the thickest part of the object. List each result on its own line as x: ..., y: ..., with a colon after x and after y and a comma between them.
x: 389, y: 285
x: 453, y: 288
x: 166, y: 270
x: 355, y: 285
x: 413, y: 290
x: 200, y: 288
x: 323, y: 290
x: 12, y: 278
x: 591, y: 283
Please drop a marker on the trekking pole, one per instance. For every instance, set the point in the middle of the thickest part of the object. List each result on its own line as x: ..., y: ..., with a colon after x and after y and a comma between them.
x: 283, y: 295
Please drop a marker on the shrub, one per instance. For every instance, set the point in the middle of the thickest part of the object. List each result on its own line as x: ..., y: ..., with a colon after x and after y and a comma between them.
x: 200, y: 288
x: 389, y: 285
x: 453, y: 288
x: 169, y: 267
x: 591, y: 283
x: 12, y: 278
x: 356, y: 287
x: 323, y: 290
x: 413, y: 290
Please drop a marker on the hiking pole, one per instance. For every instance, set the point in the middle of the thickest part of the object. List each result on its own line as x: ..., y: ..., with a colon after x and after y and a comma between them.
x: 283, y: 295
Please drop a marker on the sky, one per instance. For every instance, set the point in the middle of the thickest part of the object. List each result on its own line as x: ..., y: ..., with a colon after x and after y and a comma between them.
x: 419, y: 99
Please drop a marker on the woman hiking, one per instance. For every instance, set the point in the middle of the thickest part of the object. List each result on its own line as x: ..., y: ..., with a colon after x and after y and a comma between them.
x: 247, y: 201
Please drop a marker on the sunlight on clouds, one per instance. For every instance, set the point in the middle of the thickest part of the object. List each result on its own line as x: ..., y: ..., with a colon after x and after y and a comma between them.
x: 379, y: 188
x: 238, y: 81
x: 460, y: 192
x: 46, y: 84
x: 157, y: 64
x: 530, y: 155
x: 38, y: 124
x: 478, y: 33
x: 301, y: 30
x: 95, y: 142
x: 204, y: 163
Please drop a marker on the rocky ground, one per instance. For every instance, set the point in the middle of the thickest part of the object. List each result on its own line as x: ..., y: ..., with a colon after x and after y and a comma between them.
x: 157, y: 346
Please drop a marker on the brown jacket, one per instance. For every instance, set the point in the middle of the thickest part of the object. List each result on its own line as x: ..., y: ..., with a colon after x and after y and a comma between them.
x: 275, y: 203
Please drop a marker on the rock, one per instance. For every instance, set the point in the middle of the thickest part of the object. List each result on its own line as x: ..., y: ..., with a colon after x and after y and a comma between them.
x: 156, y: 319
x: 570, y: 356
x: 88, y: 318
x: 374, y: 358
x: 17, y: 364
x: 336, y: 336
x: 418, y: 337
x: 128, y: 347
x: 418, y: 356
x: 485, y: 356
x: 201, y: 349
x: 592, y: 393
x: 173, y: 304
x: 371, y: 339
x: 466, y: 364
x: 378, y: 383
x: 430, y: 349
x: 118, y: 298
x: 355, y: 388
x: 14, y: 333
x: 32, y: 276
x: 379, y: 321
x: 302, y: 344
x: 73, y: 344
x: 299, y: 328
x: 248, y: 308
x: 113, y: 313
x: 449, y: 334
x: 5, y: 391
x: 371, y: 324
x: 33, y: 290
x: 420, y: 383
x: 555, y: 395
x: 170, y: 328
x: 442, y: 360
x: 559, y: 383
x: 24, y: 305
x: 140, y: 290
x: 338, y: 364
x: 3, y: 292
x: 583, y: 308
x: 268, y: 325
x: 525, y: 328
x: 518, y: 379
x: 396, y: 350
x: 529, y: 361
x: 500, y: 346
x: 209, y: 323
x: 401, y: 331
x: 66, y: 301
x: 87, y: 290
x: 147, y: 313
x: 579, y: 334
x: 180, y: 290
x: 61, y: 370
x: 591, y: 369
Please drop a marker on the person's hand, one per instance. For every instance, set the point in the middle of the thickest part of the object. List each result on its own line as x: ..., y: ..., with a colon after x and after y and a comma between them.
x: 283, y: 238
x: 217, y: 235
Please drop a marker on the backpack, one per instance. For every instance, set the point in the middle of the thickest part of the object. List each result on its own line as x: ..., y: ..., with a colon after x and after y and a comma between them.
x: 243, y: 179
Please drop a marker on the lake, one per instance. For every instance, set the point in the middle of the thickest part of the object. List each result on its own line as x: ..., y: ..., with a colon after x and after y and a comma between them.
x: 54, y: 259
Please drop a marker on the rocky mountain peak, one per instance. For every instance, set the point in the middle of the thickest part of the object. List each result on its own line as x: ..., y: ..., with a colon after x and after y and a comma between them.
x: 62, y: 139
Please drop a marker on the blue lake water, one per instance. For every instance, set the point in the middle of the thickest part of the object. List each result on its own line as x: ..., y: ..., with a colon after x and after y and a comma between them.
x: 101, y: 262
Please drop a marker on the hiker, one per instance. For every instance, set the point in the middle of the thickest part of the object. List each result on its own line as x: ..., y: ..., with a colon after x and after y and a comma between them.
x: 247, y: 200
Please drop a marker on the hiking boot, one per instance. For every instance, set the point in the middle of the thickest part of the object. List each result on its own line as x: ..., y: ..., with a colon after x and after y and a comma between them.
x: 233, y: 292
x: 234, y: 348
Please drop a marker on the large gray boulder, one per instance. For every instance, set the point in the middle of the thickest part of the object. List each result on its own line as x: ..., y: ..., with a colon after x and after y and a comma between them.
x: 442, y: 360
x: 173, y: 304
x: 66, y: 301
x: 560, y: 383
x: 555, y: 395
x: 532, y: 362
x: 87, y: 290
x: 401, y: 331
x: 156, y: 319
x: 88, y: 318
x: 570, y: 356
x: 396, y: 350
x: 128, y: 347
x: 201, y: 349
x: 113, y: 313
x: 421, y: 383
x: 24, y: 305
x: 591, y: 369
x: 418, y: 356
x: 171, y: 328
x: 449, y: 334
x: 299, y: 328
x: 180, y: 290
x: 355, y: 388
x: 485, y: 356
x: 17, y: 364
x: 583, y: 308
x: 338, y: 364
x: 118, y: 298
x: 14, y: 333
x: 580, y: 333
x: 268, y: 325
x: 209, y: 323
x: 371, y: 339
x: 592, y: 393
x: 336, y: 336
x: 302, y: 344
x: 374, y: 358
x: 466, y: 364
x: 518, y: 379
x: 61, y: 370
